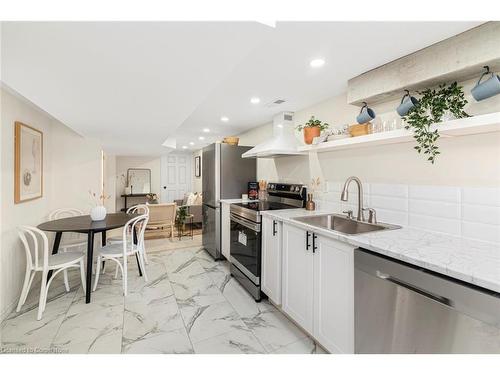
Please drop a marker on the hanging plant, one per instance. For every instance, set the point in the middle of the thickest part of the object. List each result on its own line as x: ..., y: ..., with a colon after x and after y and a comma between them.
x: 432, y: 106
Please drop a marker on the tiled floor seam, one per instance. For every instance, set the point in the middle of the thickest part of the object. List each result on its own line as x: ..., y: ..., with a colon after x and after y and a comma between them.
x: 52, y: 342
x: 178, y: 308
x: 241, y: 318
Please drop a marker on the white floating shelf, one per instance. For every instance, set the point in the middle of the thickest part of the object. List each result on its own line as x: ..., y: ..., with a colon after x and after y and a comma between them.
x: 465, y: 126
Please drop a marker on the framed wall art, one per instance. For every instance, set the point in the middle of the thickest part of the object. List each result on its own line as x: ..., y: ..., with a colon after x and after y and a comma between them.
x: 28, y: 163
x: 197, y: 166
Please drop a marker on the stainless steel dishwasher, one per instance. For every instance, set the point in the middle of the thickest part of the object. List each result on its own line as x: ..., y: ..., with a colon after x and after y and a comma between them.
x: 400, y: 308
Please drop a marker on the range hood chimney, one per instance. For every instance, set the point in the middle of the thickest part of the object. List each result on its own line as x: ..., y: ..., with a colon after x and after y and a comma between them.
x: 282, y: 143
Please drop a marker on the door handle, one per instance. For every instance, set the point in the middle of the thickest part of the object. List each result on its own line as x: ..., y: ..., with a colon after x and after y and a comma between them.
x: 307, y: 240
x: 274, y: 228
x: 314, y: 243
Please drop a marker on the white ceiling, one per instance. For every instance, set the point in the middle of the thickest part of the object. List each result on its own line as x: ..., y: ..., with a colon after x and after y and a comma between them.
x: 135, y: 84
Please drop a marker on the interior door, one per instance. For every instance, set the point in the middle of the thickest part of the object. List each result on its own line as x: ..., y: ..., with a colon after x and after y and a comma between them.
x: 176, y: 176
x: 297, y: 298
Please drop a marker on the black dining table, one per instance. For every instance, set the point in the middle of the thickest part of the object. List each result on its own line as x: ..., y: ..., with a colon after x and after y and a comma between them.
x: 84, y: 224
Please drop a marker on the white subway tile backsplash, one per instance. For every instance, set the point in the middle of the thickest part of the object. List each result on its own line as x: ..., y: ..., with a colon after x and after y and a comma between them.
x: 479, y: 231
x: 398, y: 204
x: 481, y: 214
x: 434, y: 208
x: 436, y: 224
x: 435, y: 193
x: 389, y: 190
x: 484, y: 196
x: 392, y: 217
x: 333, y: 186
x: 468, y: 212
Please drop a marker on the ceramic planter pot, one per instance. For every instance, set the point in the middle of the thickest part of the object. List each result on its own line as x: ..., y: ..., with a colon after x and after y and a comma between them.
x: 310, y: 133
x: 98, y: 213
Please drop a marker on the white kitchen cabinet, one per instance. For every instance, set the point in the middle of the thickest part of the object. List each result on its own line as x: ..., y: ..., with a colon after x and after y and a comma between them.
x: 318, y: 287
x: 271, y: 259
x: 334, y: 295
x: 297, y: 277
x: 225, y: 241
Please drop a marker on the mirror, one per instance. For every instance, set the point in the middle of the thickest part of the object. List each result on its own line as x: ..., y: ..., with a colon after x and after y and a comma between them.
x: 139, y: 180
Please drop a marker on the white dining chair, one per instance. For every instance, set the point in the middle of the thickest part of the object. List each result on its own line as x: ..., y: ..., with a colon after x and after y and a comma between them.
x: 141, y: 209
x: 70, y: 241
x: 119, y: 252
x: 38, y: 259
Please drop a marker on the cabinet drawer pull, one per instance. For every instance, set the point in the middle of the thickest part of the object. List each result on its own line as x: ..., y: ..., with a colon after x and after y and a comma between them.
x: 274, y: 228
x: 308, y: 245
x: 314, y: 243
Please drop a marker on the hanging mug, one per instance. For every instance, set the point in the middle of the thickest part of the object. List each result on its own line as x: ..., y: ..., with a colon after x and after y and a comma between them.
x: 365, y: 115
x: 407, y: 103
x: 488, y: 88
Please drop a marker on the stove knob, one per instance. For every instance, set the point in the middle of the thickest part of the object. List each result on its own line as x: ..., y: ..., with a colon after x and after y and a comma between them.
x: 297, y: 188
x: 291, y: 188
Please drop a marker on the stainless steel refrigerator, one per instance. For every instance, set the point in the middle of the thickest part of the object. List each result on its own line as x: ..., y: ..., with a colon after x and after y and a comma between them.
x: 225, y: 175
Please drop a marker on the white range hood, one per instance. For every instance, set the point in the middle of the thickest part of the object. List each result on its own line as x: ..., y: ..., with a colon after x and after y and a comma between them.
x: 282, y: 143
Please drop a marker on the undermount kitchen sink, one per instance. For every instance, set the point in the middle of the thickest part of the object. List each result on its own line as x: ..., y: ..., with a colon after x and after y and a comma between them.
x: 343, y: 224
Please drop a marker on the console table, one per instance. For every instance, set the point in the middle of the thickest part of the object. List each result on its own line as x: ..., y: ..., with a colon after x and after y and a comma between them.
x: 127, y: 196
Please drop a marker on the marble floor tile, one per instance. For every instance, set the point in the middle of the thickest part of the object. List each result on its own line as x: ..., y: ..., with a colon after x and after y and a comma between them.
x: 89, y: 330
x: 24, y: 331
x: 192, y: 286
x: 210, y: 321
x: 243, y: 302
x: 233, y: 342
x: 142, y: 318
x: 273, y: 330
x: 190, y: 304
x: 175, y: 260
x: 220, y: 274
x: 173, y: 342
x: 206, y: 261
x: 303, y: 346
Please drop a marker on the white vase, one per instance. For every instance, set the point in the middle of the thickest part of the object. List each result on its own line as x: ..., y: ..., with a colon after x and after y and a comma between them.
x: 98, y: 213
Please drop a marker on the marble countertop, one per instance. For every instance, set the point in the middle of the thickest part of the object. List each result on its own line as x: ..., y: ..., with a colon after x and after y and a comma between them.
x: 471, y: 261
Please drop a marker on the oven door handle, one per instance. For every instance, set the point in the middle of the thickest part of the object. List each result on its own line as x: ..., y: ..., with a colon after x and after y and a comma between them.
x: 246, y: 223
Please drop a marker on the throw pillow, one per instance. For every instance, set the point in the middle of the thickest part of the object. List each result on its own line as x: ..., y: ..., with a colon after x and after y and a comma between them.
x: 198, y: 200
x: 190, y: 199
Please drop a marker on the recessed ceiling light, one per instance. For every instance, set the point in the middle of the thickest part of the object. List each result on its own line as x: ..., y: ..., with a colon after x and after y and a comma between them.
x: 201, y: 138
x: 184, y: 147
x: 206, y: 130
x: 224, y: 119
x: 191, y: 143
x: 316, y: 63
x: 255, y: 100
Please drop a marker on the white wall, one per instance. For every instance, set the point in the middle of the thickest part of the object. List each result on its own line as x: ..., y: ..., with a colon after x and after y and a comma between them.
x: 123, y: 163
x: 459, y: 195
x: 71, y: 166
x: 464, y: 161
x: 110, y: 181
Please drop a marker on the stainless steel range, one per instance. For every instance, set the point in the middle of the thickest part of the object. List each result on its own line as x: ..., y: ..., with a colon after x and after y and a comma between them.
x: 246, y: 238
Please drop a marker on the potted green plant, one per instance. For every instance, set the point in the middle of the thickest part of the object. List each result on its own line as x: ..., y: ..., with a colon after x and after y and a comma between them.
x: 312, y: 129
x: 434, y: 106
x: 181, y: 216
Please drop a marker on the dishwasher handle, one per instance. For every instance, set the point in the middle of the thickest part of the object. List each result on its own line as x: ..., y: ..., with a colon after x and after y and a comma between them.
x: 423, y: 292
